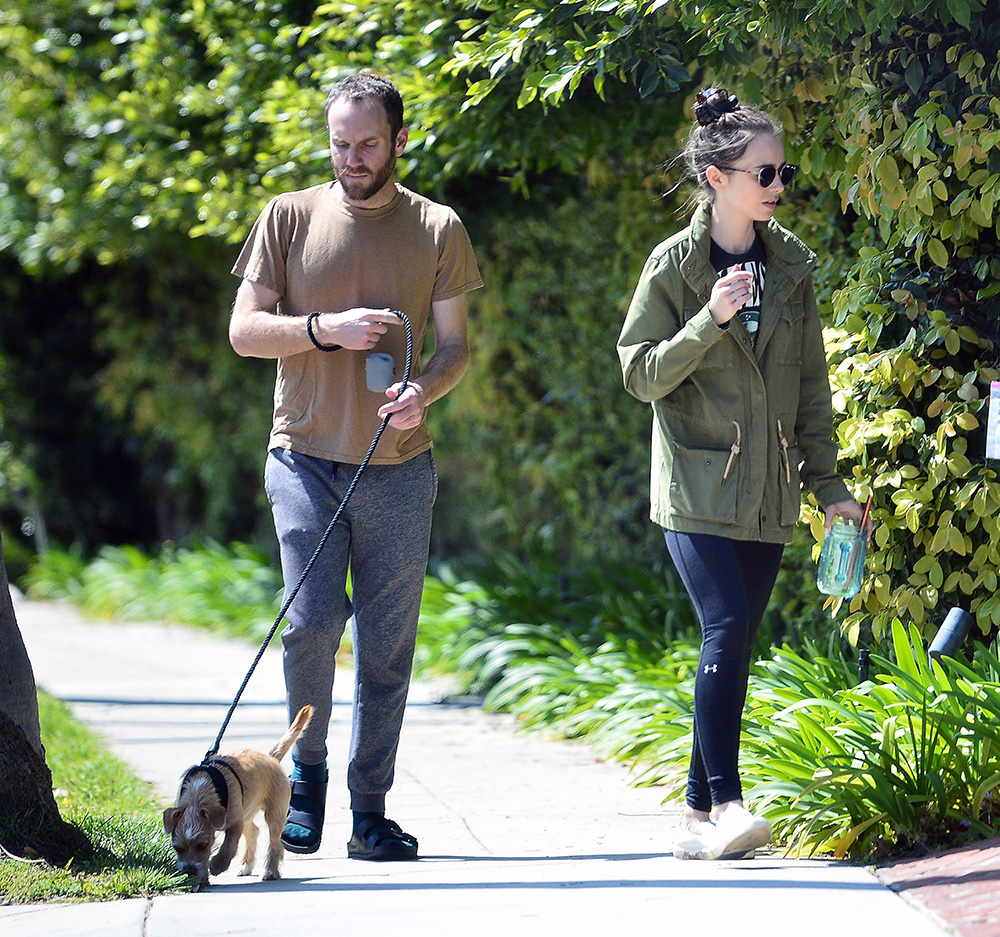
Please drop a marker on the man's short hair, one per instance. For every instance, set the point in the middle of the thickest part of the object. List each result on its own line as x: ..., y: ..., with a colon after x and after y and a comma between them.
x: 367, y: 85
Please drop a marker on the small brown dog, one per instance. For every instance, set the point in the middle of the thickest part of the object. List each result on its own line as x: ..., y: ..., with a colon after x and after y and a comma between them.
x: 225, y: 793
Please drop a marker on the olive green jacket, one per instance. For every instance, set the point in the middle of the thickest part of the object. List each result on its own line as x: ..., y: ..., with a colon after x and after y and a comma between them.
x: 738, y: 428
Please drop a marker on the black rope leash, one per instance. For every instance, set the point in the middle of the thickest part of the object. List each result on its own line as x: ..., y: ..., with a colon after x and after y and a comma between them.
x: 322, y: 542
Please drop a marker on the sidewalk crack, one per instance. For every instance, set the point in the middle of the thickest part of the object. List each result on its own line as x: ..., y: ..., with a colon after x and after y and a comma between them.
x: 450, y: 809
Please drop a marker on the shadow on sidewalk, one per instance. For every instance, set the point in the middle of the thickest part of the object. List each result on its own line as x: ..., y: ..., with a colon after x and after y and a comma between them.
x: 292, y: 886
x: 248, y: 704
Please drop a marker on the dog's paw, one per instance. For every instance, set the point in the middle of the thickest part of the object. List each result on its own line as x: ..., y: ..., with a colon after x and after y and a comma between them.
x: 270, y: 875
x: 245, y: 870
x: 218, y: 865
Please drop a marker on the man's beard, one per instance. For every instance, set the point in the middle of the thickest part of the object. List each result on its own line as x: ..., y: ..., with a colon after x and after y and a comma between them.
x: 360, y: 190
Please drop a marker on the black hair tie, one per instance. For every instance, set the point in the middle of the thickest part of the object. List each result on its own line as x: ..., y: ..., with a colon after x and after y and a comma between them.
x: 712, y: 103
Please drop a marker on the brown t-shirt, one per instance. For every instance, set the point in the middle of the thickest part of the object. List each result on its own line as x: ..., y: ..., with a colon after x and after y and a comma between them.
x: 323, y: 255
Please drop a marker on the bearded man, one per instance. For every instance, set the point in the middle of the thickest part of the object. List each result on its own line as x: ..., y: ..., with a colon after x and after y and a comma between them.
x: 321, y: 271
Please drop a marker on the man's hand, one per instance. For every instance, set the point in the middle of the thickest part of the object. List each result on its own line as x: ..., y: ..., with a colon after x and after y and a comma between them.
x: 358, y: 329
x: 407, y: 409
x: 255, y: 331
x: 442, y: 372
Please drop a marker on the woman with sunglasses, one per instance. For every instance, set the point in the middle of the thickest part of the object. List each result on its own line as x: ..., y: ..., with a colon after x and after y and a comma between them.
x: 723, y: 339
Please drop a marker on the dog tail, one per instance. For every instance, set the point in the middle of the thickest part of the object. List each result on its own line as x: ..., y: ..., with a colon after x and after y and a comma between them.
x: 297, y: 727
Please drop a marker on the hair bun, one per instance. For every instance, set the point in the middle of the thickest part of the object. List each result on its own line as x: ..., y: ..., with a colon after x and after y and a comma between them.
x: 712, y: 103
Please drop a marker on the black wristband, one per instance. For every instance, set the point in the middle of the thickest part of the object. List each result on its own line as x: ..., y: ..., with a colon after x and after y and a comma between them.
x: 312, y: 336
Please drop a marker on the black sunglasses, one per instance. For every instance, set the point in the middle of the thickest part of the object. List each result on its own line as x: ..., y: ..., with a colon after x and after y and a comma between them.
x: 765, y: 175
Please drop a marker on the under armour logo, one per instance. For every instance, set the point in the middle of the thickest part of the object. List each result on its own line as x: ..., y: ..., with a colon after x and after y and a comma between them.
x: 711, y: 668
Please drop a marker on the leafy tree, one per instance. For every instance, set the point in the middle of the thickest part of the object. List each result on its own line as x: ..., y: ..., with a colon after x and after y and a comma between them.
x: 118, y: 381
x: 897, y: 106
x: 127, y: 116
x: 133, y: 127
x: 146, y: 137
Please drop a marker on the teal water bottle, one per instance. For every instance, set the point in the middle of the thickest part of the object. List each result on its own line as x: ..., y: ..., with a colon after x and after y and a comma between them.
x: 842, y: 560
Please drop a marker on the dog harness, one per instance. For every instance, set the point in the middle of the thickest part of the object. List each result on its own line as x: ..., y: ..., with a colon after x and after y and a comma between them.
x: 211, y: 766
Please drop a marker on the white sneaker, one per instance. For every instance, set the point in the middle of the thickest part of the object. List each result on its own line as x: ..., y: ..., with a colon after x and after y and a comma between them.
x: 734, y: 834
x: 689, y: 845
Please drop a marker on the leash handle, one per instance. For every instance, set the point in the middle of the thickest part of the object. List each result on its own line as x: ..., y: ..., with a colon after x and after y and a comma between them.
x: 322, y: 542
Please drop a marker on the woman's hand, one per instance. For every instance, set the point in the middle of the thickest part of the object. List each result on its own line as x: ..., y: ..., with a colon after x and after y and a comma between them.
x: 849, y: 510
x: 729, y: 294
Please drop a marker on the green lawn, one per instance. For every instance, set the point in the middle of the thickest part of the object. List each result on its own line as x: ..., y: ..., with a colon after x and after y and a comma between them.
x: 98, y: 793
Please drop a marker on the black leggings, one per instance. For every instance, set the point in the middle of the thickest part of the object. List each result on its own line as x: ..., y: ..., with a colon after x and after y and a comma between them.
x: 730, y: 583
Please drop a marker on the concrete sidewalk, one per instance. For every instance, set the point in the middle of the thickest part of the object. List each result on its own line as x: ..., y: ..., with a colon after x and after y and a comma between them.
x: 518, y: 835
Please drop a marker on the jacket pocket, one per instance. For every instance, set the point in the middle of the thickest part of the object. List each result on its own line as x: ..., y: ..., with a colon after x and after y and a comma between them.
x: 696, y: 486
x: 786, y: 343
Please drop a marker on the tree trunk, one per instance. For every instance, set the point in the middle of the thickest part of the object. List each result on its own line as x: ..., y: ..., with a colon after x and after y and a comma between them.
x: 30, y: 824
x: 17, y: 680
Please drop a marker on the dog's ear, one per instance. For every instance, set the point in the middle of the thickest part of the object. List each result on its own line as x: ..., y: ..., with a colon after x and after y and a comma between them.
x: 214, y: 815
x: 170, y: 817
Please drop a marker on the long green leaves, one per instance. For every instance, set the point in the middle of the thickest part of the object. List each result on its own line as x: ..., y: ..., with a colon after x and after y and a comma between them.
x: 909, y: 760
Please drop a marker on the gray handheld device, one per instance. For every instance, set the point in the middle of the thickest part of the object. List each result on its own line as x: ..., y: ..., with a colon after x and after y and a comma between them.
x: 380, y: 371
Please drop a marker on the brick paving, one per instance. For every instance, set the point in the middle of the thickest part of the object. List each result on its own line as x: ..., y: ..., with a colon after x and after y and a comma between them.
x: 960, y: 887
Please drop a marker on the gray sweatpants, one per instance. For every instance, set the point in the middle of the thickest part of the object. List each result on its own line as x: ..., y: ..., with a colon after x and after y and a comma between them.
x: 384, y: 535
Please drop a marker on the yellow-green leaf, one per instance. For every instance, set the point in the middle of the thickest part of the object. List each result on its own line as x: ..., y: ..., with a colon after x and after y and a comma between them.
x: 937, y: 252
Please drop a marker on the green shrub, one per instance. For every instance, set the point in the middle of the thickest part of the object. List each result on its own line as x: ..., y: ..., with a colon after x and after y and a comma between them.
x: 635, y: 606
x: 541, y: 451
x: 909, y: 760
x: 915, y: 115
x: 629, y: 709
x: 54, y: 574
x: 235, y: 590
x: 909, y: 410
